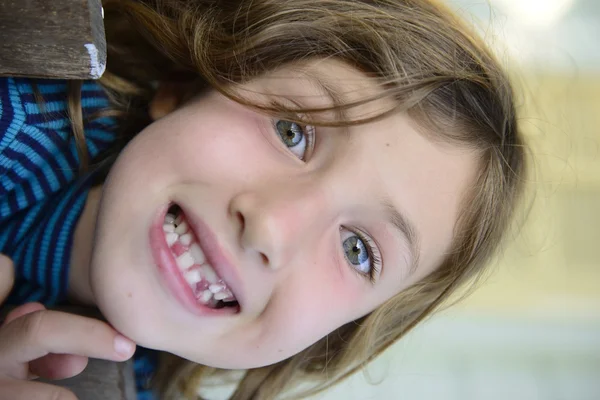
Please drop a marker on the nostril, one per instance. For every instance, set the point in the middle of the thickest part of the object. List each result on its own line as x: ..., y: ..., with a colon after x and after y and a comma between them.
x: 247, y: 238
x: 241, y: 220
x: 264, y: 259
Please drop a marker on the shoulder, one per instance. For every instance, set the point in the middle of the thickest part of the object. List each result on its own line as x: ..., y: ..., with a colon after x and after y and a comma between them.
x: 41, y: 192
x: 37, y: 147
x: 12, y: 112
x: 40, y: 107
x: 34, y: 138
x: 26, y: 120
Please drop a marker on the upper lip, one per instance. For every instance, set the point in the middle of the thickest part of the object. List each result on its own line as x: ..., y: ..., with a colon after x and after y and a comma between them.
x: 214, y: 253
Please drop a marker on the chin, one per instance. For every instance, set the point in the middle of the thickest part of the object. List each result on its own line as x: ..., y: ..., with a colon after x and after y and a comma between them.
x: 122, y: 302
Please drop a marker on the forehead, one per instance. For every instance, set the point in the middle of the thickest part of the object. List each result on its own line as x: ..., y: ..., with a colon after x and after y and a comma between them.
x: 425, y: 180
x: 322, y: 82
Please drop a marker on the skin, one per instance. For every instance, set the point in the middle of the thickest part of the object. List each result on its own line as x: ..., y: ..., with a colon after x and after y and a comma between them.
x: 229, y: 164
x: 34, y: 343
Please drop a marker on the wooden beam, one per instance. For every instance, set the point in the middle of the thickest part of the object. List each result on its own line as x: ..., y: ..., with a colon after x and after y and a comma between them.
x: 60, y: 39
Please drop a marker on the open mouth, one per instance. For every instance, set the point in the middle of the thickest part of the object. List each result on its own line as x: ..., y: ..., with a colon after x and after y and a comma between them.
x: 208, y: 287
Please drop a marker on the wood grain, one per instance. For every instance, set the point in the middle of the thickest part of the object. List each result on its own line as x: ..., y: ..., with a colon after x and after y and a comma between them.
x: 60, y: 39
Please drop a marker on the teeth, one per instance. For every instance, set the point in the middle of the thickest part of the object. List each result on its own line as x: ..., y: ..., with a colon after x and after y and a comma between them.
x: 206, y: 296
x: 201, y: 286
x: 181, y: 228
x: 204, y: 280
x: 221, y: 296
x: 178, y: 219
x: 197, y: 253
x: 193, y: 276
x: 171, y: 238
x: 168, y: 228
x: 185, y: 261
x: 186, y: 239
x: 209, y: 274
x: 216, y: 287
x: 169, y: 219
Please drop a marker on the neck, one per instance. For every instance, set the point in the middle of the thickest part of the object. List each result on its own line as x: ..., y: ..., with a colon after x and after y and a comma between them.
x: 80, y: 290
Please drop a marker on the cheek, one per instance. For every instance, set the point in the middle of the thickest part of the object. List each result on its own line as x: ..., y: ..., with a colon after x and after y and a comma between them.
x: 314, y: 299
x: 212, y: 140
x: 220, y: 143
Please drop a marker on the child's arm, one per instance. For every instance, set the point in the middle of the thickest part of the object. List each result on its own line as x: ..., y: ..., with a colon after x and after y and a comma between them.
x: 50, y: 344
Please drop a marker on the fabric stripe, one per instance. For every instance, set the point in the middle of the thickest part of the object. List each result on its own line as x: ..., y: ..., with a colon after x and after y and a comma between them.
x: 62, y: 96
x: 43, y: 147
x: 25, y: 86
x: 26, y: 170
x: 27, y: 222
x: 58, y: 231
x: 14, y: 125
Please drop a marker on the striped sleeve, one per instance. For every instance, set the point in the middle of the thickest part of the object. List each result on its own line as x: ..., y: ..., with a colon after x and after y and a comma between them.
x: 41, y: 195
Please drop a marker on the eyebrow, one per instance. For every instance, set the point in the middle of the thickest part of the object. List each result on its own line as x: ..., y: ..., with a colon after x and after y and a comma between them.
x: 407, y: 228
x: 331, y: 90
x: 400, y: 221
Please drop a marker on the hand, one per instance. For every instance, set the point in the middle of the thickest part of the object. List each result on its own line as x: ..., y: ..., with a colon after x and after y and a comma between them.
x: 53, y: 345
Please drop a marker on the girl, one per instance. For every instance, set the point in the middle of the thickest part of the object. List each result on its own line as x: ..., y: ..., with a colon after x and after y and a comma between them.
x: 281, y: 186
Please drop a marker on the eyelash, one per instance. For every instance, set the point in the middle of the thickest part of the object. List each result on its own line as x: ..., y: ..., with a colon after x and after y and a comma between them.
x: 292, y: 115
x: 374, y: 256
x: 308, y: 133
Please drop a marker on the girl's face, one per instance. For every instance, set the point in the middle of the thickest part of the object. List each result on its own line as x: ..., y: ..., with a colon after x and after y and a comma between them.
x: 301, y: 229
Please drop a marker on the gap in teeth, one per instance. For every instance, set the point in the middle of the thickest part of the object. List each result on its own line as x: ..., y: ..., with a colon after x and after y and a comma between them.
x: 200, y: 276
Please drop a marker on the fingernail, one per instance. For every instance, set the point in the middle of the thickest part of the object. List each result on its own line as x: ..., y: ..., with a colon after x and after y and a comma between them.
x: 124, y: 346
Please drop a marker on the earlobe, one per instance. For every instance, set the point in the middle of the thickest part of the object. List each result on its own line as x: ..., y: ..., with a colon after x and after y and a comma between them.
x: 167, y: 98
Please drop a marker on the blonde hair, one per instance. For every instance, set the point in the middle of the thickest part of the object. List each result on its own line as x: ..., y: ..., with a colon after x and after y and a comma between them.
x: 423, y: 56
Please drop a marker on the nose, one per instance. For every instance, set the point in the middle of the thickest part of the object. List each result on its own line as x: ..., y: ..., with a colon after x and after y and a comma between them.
x: 279, y: 221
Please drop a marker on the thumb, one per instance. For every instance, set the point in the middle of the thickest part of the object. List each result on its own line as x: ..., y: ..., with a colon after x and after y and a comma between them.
x: 7, y: 276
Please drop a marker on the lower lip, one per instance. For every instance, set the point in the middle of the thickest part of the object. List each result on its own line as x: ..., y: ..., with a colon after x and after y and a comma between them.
x: 171, y: 274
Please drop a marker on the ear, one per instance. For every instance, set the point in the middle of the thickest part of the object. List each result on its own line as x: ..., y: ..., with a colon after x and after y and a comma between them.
x: 167, y: 98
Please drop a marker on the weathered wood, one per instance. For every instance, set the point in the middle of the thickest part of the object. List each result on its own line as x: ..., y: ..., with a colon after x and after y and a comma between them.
x: 61, y: 39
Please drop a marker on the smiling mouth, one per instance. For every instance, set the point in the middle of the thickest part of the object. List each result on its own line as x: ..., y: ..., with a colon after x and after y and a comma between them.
x: 208, y: 287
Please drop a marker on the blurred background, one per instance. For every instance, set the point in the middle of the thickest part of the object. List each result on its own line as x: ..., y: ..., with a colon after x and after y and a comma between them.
x: 532, y: 329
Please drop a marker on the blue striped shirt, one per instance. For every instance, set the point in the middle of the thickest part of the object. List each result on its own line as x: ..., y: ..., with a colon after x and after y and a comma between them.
x: 41, y: 193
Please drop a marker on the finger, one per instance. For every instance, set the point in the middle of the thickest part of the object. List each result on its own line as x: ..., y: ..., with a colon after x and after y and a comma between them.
x: 58, y: 366
x: 7, y: 276
x: 28, y: 390
x: 51, y: 366
x: 25, y: 309
x: 42, y: 332
x: 19, y: 312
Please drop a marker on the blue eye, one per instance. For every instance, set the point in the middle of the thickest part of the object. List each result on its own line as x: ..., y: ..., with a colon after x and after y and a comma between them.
x: 361, y: 253
x: 296, y: 137
x: 357, y: 253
